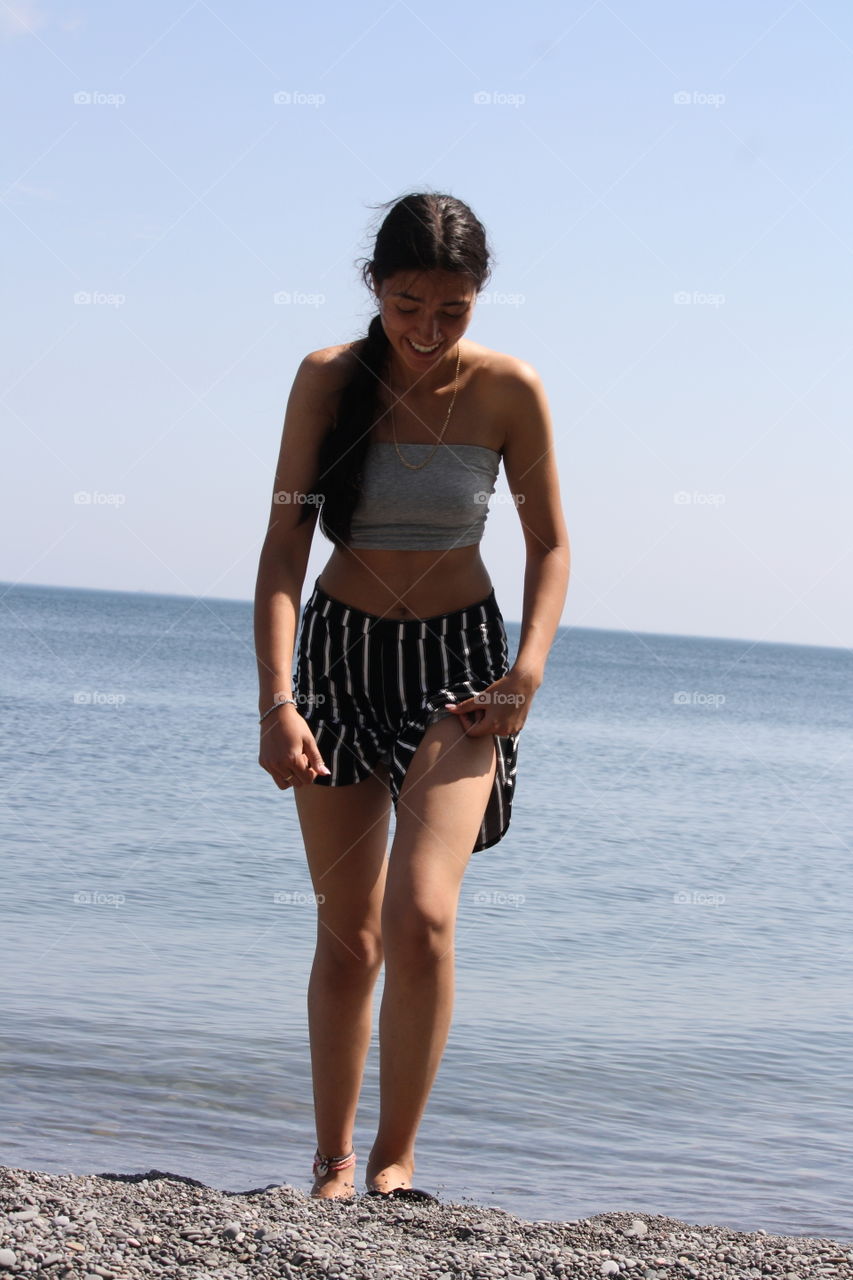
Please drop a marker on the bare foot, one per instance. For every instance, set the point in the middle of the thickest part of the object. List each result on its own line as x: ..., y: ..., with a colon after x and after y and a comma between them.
x: 338, y: 1185
x: 387, y: 1177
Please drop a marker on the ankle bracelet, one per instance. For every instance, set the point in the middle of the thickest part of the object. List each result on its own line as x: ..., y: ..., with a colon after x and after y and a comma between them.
x: 331, y: 1164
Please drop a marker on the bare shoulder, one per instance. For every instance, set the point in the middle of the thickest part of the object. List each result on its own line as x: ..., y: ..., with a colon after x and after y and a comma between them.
x: 511, y: 388
x: 341, y: 355
x: 508, y: 371
x: 517, y: 400
x: 312, y: 403
x: 328, y: 368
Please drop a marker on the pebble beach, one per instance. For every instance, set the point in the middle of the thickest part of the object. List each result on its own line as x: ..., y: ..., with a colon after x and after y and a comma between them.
x: 125, y: 1226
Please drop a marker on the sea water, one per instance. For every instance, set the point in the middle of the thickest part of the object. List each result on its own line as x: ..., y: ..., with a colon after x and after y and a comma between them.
x: 653, y: 966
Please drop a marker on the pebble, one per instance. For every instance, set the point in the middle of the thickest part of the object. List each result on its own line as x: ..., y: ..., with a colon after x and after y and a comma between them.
x: 127, y: 1227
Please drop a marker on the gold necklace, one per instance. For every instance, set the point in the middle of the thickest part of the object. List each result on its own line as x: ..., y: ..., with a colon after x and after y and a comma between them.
x: 416, y: 466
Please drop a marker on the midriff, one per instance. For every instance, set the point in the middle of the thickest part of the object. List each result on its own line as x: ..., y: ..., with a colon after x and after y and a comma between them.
x: 406, y: 584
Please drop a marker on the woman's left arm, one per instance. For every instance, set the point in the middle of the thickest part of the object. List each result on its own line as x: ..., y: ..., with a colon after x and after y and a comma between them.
x: 530, y: 466
x: 531, y: 471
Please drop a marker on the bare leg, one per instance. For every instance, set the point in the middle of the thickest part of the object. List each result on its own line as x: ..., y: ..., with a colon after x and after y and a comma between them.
x: 441, y: 806
x: 345, y: 830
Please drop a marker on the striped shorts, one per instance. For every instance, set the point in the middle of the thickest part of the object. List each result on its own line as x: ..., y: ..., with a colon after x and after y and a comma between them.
x: 368, y: 686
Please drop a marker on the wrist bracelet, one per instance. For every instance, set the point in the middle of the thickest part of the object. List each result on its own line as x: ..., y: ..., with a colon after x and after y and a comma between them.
x: 282, y: 703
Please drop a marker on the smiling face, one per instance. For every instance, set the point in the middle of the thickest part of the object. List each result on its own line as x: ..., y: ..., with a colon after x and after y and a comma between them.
x: 424, y: 315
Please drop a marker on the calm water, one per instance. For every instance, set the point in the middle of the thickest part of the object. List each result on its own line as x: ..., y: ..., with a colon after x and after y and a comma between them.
x: 654, y: 965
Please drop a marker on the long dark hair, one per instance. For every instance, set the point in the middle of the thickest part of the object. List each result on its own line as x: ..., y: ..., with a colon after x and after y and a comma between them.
x: 423, y: 231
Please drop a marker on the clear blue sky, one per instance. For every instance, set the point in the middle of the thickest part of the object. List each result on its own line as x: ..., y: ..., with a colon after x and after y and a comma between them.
x: 668, y: 190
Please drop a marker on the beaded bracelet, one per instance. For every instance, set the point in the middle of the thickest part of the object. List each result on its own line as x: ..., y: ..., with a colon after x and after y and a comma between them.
x: 284, y: 702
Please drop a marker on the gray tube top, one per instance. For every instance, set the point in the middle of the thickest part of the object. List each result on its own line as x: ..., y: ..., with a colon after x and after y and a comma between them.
x: 439, y: 506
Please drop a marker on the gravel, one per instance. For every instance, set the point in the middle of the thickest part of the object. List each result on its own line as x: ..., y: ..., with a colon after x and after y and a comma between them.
x: 135, y: 1226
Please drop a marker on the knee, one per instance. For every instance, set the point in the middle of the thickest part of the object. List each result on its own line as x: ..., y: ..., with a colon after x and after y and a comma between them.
x: 348, y: 955
x: 418, y: 938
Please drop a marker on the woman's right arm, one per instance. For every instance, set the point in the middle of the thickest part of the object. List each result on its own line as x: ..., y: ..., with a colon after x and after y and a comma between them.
x: 287, y: 744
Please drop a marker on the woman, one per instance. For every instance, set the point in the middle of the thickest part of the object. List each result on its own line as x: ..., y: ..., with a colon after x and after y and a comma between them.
x: 401, y: 683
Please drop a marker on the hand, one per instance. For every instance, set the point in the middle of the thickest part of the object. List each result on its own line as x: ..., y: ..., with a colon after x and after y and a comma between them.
x: 501, y: 709
x: 288, y: 750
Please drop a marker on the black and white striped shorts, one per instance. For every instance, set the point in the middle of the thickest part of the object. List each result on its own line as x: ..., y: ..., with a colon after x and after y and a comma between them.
x: 368, y: 686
